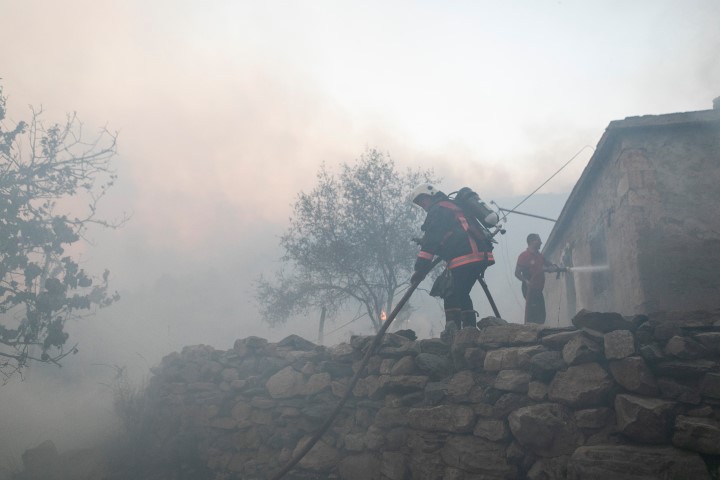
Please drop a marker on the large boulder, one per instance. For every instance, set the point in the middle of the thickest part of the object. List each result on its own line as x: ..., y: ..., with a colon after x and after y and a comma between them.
x: 583, y: 385
x: 549, y: 468
x: 443, y: 418
x: 619, y: 344
x: 710, y: 340
x: 681, y: 390
x: 317, y: 383
x: 393, y: 466
x: 360, y: 467
x: 434, y: 366
x: 322, y: 457
x: 404, y: 366
x: 646, y: 420
x: 249, y: 346
x: 494, y: 430
x: 697, y: 434
x: 557, y: 340
x: 512, y: 358
x: 684, y: 369
x: 685, y: 348
x: 710, y: 386
x: 398, y: 384
x: 594, y: 418
x: 295, y: 342
x: 601, y: 321
x: 477, y: 456
x: 634, y: 375
x: 286, y: 383
x: 490, y: 322
x: 544, y: 365
x: 434, y: 346
x: 461, y: 384
x: 512, y: 381
x: 509, y: 334
x: 667, y: 324
x: 547, y: 429
x: 626, y: 462
x: 581, y: 349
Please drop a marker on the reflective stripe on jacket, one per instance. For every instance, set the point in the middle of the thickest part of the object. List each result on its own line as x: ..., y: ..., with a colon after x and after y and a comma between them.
x: 451, y: 235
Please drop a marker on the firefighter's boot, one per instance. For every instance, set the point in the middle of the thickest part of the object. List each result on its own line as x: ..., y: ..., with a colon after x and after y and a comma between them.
x: 469, y: 319
x: 453, y: 317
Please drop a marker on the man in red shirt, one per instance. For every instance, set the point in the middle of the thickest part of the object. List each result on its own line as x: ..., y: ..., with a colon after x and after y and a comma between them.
x: 530, y: 270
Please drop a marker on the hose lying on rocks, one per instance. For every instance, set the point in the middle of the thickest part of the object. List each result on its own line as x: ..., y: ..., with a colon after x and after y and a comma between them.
x: 373, y: 346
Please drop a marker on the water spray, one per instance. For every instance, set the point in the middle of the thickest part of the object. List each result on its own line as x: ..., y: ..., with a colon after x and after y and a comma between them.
x: 588, y: 268
x: 582, y: 269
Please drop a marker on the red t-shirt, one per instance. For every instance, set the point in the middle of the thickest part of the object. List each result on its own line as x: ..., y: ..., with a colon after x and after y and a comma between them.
x: 533, y: 263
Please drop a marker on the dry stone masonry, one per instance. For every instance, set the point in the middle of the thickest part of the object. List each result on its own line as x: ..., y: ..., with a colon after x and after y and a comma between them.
x: 610, y: 397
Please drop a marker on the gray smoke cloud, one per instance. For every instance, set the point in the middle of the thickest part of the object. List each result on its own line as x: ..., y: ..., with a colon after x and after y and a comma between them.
x: 226, y: 110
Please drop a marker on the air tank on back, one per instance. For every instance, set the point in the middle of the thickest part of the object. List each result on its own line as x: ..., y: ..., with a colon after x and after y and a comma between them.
x: 471, y: 203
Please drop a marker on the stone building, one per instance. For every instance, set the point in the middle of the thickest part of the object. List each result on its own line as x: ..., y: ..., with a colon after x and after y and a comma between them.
x: 647, y: 207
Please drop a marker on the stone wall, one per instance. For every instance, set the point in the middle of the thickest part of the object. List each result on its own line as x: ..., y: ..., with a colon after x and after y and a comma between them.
x: 610, y: 397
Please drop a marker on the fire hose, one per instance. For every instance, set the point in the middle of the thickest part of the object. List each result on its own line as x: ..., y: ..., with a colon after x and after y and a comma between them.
x: 481, y: 280
x: 373, y: 346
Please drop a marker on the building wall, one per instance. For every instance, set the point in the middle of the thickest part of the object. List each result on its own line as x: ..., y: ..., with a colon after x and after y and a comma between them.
x: 679, y: 249
x: 648, y: 210
x: 602, y: 232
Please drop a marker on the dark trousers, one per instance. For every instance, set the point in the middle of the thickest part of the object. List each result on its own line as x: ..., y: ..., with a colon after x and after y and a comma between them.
x: 463, y: 279
x: 534, y: 305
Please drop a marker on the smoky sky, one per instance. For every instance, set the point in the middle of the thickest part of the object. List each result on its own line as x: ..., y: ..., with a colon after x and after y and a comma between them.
x: 226, y: 109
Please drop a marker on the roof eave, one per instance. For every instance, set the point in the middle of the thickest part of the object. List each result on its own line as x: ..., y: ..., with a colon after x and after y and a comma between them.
x: 598, y: 158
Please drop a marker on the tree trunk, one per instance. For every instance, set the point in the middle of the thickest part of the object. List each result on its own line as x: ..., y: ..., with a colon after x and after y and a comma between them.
x: 321, y: 329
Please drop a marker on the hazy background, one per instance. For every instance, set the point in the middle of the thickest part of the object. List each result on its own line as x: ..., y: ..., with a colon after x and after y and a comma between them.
x: 226, y: 109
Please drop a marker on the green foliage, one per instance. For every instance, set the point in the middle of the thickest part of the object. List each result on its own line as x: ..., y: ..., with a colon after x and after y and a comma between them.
x: 349, y: 240
x: 47, y: 174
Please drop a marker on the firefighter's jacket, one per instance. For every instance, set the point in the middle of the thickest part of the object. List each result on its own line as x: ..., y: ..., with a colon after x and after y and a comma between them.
x: 455, y: 237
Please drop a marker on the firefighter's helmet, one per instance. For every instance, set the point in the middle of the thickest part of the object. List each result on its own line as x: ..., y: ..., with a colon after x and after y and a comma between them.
x: 424, y: 189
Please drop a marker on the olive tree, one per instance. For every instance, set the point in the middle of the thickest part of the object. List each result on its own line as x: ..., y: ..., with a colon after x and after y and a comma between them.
x: 52, y: 178
x: 349, y: 241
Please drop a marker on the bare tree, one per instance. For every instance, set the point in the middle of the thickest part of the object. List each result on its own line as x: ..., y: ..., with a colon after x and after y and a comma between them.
x: 349, y: 241
x: 52, y: 179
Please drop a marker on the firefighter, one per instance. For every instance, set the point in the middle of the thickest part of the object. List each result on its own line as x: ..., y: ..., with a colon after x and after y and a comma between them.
x: 530, y: 270
x: 458, y: 239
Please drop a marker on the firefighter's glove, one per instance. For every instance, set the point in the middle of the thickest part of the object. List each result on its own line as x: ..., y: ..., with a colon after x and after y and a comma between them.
x: 422, y: 267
